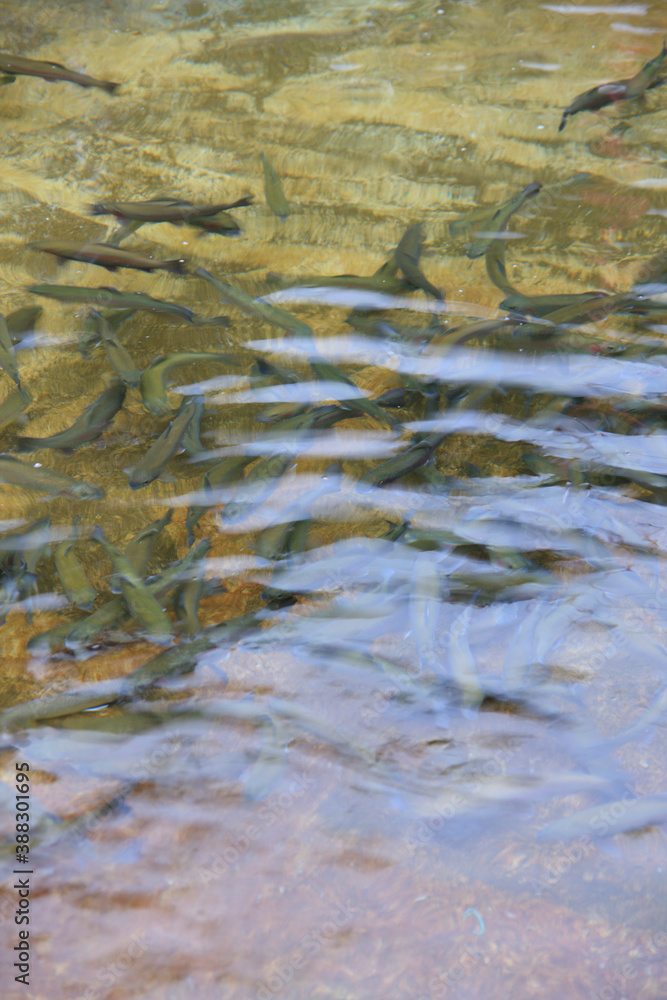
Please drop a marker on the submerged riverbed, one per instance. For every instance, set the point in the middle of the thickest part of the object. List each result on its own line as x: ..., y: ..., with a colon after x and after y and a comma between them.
x: 397, y: 726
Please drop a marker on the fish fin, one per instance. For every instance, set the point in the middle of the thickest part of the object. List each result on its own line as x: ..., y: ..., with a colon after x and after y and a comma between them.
x: 167, y: 477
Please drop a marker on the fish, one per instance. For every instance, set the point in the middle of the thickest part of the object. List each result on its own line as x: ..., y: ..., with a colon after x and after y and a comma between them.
x: 7, y: 354
x: 462, y: 668
x: 88, y: 427
x: 542, y: 305
x: 495, y: 267
x: 190, y: 442
x: 257, y: 485
x: 52, y: 706
x: 22, y: 321
x: 496, y: 222
x: 228, y: 470
x: 91, y: 334
x: 609, y: 818
x: 165, y: 447
x: 384, y: 280
x: 327, y: 372
x: 51, y: 71
x: 153, y: 380
x: 140, y: 547
x: 425, y: 600
x: 255, y: 307
x: 619, y: 90
x: 13, y: 405
x: 117, y: 354
x: 116, y: 299
x: 416, y: 454
x: 114, y: 612
x: 143, y: 604
x: 270, y: 763
x: 46, y: 481
x: 164, y: 209
x: 75, y: 583
x: 407, y: 256
x: 288, y: 535
x: 273, y: 190
x: 106, y: 255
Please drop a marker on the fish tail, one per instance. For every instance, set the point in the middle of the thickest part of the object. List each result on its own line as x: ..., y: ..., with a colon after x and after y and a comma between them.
x: 563, y: 123
x: 175, y: 266
x: 98, y: 209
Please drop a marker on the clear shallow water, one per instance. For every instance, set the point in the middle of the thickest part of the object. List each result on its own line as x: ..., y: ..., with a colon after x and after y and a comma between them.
x: 357, y: 795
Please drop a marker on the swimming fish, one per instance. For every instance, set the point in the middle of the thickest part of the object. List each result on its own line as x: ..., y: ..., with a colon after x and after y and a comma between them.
x: 154, y: 378
x: 117, y: 299
x: 106, y: 255
x: 273, y: 190
x: 490, y: 226
x: 157, y: 456
x: 20, y: 66
x: 88, y: 427
x: 164, y: 209
x: 255, y: 307
x: 618, y: 90
x: 407, y: 256
x: 45, y: 481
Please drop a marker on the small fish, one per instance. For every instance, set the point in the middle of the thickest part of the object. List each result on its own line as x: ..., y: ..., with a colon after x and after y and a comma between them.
x: 115, y: 612
x: 418, y: 453
x: 113, y: 298
x: 495, y: 223
x: 143, y: 605
x: 20, y: 66
x: 75, y: 583
x: 88, y: 427
x: 407, y: 256
x: 22, y: 321
x: 91, y: 334
x: 273, y: 190
x: 257, y: 485
x: 384, y: 280
x: 140, y: 547
x: 117, y: 354
x: 609, y: 818
x: 190, y: 441
x: 154, y: 378
x: 164, y: 209
x: 166, y: 446
x: 106, y: 255
x: 462, y: 668
x: 7, y: 354
x: 256, y: 307
x: 619, y: 90
x: 542, y: 305
x: 270, y: 764
x: 327, y: 372
x: 45, y: 481
x: 13, y: 405
x: 228, y: 470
